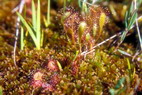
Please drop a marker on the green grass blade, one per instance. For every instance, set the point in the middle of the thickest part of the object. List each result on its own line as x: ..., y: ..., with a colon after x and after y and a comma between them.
x: 64, y: 6
x: 139, y: 2
x: 126, y: 19
x: 1, y: 90
x: 38, y: 31
x: 28, y: 28
x: 123, y: 52
x: 33, y: 15
x: 79, y: 3
x: 123, y: 36
x: 130, y: 9
x: 132, y: 20
x: 42, y: 37
x: 22, y: 38
x: 48, y: 13
x: 140, y: 39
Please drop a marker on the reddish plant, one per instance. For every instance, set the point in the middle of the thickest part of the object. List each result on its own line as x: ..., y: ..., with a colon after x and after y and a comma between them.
x: 47, y: 87
x: 74, y: 68
x: 52, y: 65
x: 36, y: 83
x: 28, y: 2
x: 84, y: 30
x: 37, y: 79
x: 71, y: 22
x: 54, y: 80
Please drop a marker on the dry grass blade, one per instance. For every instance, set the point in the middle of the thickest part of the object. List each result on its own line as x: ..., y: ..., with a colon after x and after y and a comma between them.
x: 21, y: 6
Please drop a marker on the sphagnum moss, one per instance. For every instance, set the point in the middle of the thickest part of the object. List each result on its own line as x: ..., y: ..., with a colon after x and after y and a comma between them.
x: 92, y: 74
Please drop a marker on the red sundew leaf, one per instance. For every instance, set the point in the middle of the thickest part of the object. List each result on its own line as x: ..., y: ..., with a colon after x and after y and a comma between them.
x: 36, y: 83
x: 47, y: 87
x: 52, y: 65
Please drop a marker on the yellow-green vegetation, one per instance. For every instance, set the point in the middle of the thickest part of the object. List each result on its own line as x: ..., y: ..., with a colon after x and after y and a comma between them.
x: 80, y: 53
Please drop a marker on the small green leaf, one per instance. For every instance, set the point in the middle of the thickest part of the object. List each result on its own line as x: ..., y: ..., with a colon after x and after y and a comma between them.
x: 95, y: 30
x: 120, y: 83
x: 88, y: 37
x: 59, y: 65
x: 76, y: 54
x: 81, y: 30
x: 112, y: 92
x: 84, y: 7
x: 129, y: 65
x: 102, y: 22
